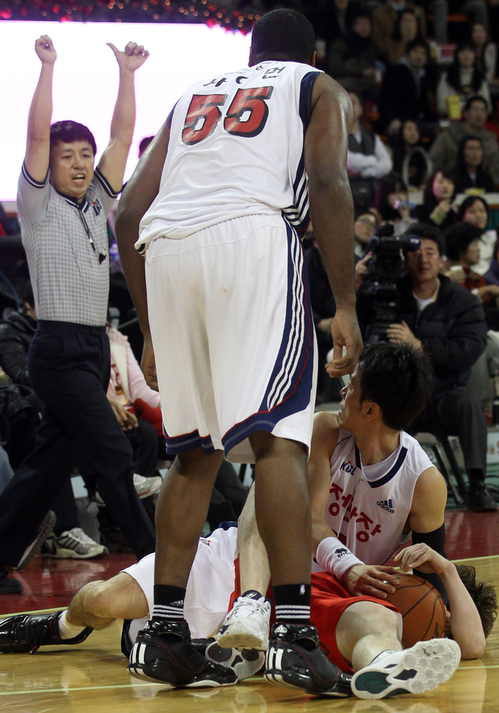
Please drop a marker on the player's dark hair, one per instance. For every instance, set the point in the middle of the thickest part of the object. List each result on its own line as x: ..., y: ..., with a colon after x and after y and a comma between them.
x: 283, y: 34
x: 430, y: 232
x: 397, y: 377
x: 483, y: 594
x: 66, y: 132
x: 459, y: 237
x: 468, y: 202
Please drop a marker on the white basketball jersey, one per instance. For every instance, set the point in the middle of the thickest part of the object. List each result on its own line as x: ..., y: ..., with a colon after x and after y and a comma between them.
x: 369, y: 516
x: 235, y: 149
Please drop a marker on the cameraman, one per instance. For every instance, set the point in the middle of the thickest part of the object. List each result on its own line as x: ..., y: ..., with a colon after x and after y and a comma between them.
x: 448, y: 323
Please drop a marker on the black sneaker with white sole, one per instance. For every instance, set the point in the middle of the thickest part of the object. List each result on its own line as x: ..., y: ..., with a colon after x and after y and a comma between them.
x: 163, y: 652
x: 295, y: 659
x: 25, y: 633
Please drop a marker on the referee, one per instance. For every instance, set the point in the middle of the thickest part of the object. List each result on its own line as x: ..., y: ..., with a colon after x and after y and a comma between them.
x: 63, y: 206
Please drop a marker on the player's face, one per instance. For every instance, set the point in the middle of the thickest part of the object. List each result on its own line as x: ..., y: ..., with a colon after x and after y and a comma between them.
x: 350, y: 408
x: 72, y: 168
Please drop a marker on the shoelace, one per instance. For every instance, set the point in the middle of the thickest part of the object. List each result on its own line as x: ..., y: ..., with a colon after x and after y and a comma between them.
x: 245, y: 607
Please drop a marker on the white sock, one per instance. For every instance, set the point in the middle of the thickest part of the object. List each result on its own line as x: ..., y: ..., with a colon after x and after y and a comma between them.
x: 67, y: 630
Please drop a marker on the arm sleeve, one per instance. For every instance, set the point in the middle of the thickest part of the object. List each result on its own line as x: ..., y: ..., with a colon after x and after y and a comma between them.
x: 32, y: 196
x: 435, y: 540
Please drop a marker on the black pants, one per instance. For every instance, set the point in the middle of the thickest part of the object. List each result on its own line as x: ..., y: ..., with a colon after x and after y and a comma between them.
x: 461, y: 414
x: 69, y: 368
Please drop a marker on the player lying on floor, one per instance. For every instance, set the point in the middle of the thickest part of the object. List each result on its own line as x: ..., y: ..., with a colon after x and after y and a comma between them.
x: 366, y: 627
x: 370, y: 483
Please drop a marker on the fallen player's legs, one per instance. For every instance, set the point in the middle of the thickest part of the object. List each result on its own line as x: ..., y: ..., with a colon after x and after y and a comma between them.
x: 368, y: 636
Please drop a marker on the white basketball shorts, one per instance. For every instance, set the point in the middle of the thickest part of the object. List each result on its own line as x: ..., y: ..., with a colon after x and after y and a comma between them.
x: 210, y: 584
x: 233, y: 336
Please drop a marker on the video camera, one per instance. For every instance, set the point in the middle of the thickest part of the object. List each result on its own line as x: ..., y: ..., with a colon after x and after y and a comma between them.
x: 385, y: 270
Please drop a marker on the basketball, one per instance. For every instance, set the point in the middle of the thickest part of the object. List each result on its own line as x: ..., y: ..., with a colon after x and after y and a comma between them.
x: 422, y: 608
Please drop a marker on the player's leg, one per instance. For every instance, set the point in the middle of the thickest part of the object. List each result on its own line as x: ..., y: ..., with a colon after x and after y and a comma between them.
x: 247, y: 623
x: 163, y: 649
x: 99, y: 603
x: 368, y: 635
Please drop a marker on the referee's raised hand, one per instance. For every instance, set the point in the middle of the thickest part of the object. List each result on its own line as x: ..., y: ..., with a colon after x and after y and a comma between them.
x: 133, y: 56
x: 44, y: 48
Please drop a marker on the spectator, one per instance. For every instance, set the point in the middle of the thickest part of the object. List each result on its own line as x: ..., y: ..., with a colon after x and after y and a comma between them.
x: 443, y: 153
x: 410, y: 159
x: 485, y: 51
x: 392, y: 203
x: 406, y: 30
x: 436, y: 208
x: 368, y: 159
x: 492, y: 275
x: 352, y: 57
x: 408, y: 90
x: 463, y: 78
x: 448, y: 323
x: 364, y: 228
x: 63, y: 205
x: 385, y: 21
x: 475, y: 210
x: 469, y: 174
x: 462, y: 248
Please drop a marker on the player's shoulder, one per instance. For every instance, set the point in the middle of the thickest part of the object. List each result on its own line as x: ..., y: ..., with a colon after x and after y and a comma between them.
x: 326, y: 431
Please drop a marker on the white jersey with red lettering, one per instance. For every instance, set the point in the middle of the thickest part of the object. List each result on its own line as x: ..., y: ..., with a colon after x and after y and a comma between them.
x: 235, y: 149
x: 368, y: 506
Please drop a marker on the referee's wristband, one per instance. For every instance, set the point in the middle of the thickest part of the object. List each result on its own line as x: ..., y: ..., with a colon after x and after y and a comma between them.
x: 335, y: 557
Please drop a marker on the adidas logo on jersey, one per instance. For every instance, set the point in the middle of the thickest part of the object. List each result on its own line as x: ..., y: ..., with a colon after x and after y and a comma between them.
x: 386, y: 505
x: 348, y: 467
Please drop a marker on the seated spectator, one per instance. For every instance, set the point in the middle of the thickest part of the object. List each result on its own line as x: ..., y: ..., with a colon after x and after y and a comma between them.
x: 463, y: 78
x: 485, y: 51
x: 462, y: 248
x: 475, y: 210
x: 469, y: 174
x: 352, y: 58
x: 406, y: 30
x: 385, y: 20
x: 368, y: 159
x: 443, y: 152
x: 491, y: 276
x: 364, y: 227
x: 436, y: 208
x: 448, y: 323
x: 392, y: 203
x: 410, y: 159
x: 408, y: 90
x: 333, y: 21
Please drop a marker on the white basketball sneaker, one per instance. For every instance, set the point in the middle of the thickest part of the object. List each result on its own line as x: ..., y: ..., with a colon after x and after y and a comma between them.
x: 421, y: 668
x: 246, y: 626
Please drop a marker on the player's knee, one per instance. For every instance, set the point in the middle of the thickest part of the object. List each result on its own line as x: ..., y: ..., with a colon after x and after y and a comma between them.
x: 265, y: 445
x: 97, y: 598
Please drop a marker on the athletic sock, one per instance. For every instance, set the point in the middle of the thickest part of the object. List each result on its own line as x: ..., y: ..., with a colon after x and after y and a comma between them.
x: 67, y: 630
x: 168, y: 602
x: 292, y: 603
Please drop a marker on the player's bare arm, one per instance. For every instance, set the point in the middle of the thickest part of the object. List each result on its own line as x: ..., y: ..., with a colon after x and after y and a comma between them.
x: 359, y: 579
x: 40, y: 113
x: 138, y: 195
x: 465, y: 624
x: 331, y: 208
x: 113, y: 161
x: 428, y: 502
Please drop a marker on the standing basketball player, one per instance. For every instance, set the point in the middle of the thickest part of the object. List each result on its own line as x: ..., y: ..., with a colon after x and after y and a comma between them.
x: 220, y: 195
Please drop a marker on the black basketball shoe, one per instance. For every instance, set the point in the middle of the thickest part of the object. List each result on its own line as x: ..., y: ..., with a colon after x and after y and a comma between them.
x: 26, y: 633
x: 295, y: 659
x: 163, y: 652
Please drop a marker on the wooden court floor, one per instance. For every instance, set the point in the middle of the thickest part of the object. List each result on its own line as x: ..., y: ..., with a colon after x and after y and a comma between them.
x: 92, y: 678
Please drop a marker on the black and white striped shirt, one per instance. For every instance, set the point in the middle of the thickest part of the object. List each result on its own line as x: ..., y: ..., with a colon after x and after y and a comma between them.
x: 66, y: 246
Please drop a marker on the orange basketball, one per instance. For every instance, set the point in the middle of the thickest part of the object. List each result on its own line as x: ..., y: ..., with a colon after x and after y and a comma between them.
x: 422, y: 608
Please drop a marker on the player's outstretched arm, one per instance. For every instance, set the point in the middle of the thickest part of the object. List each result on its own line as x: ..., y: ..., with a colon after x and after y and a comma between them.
x: 138, y: 195
x: 324, y: 440
x: 40, y: 113
x: 113, y: 161
x: 331, y: 206
x: 465, y: 624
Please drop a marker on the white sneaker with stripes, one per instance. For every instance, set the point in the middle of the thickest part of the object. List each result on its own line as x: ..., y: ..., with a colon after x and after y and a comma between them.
x: 247, y: 624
